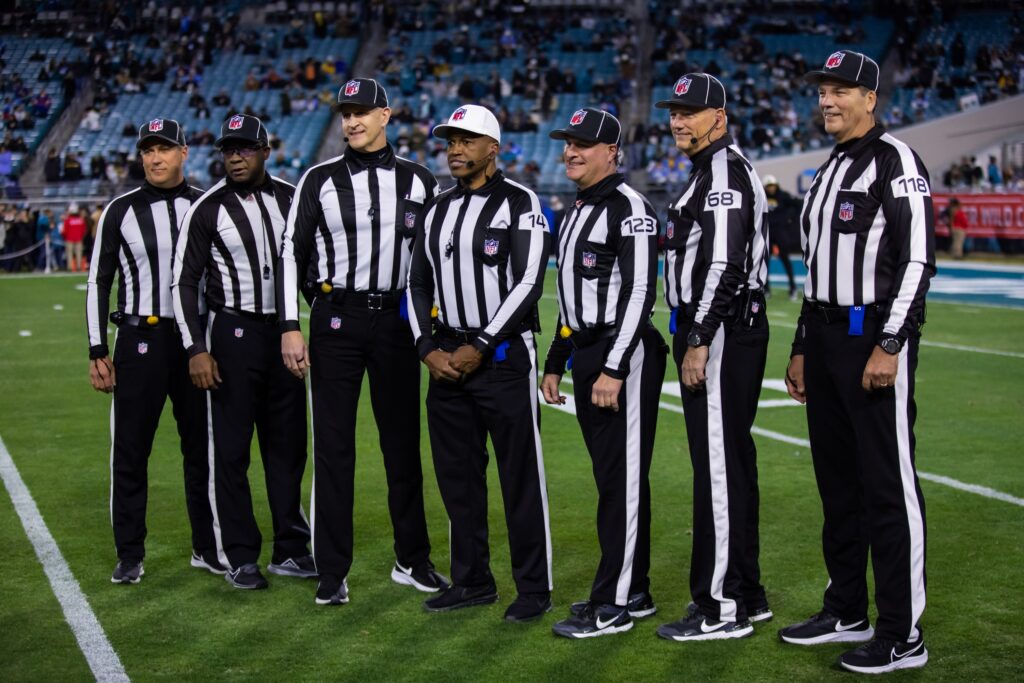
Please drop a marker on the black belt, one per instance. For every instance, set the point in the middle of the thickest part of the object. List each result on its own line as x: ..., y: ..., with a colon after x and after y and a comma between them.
x: 265, y: 318
x: 836, y: 314
x: 374, y: 301
x: 468, y: 335
x: 591, y: 335
x: 119, y: 318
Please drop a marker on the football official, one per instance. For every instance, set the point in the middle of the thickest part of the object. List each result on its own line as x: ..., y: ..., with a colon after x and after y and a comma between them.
x: 715, y: 272
x: 348, y: 242
x: 868, y: 237
x: 480, y: 254
x: 135, y: 240
x: 607, y: 275
x: 231, y: 235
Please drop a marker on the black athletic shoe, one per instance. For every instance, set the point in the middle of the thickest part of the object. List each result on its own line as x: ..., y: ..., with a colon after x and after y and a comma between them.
x: 825, y: 627
x: 882, y: 655
x: 457, y: 597
x: 127, y: 571
x: 302, y: 567
x: 246, y: 577
x: 695, y: 626
x: 208, y: 561
x: 640, y: 605
x: 759, y: 614
x: 422, y: 578
x: 332, y: 591
x: 528, y: 607
x: 594, y: 620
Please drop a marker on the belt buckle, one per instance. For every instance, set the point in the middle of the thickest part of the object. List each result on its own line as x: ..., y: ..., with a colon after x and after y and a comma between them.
x: 374, y: 301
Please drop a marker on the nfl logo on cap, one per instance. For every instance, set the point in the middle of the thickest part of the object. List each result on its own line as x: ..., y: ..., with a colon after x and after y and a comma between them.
x: 490, y: 247
x: 156, y: 125
x: 589, y: 259
x: 459, y: 114
x: 846, y: 211
x: 683, y: 85
x: 577, y: 118
x: 410, y: 219
x: 834, y: 60
x: 235, y: 123
x: 351, y: 88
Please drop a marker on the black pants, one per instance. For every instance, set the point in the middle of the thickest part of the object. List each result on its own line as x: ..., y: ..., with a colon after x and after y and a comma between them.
x: 347, y: 342
x: 863, y: 449
x: 257, y: 391
x: 151, y: 365
x: 621, y: 445
x: 499, y: 399
x: 725, y: 576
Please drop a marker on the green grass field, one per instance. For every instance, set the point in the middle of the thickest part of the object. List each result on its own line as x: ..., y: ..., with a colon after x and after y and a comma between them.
x: 184, y: 624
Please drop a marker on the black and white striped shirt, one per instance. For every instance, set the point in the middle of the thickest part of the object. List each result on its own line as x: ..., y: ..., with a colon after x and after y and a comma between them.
x: 868, y: 231
x: 135, y: 239
x: 716, y: 236
x: 352, y: 225
x: 234, y: 239
x: 607, y: 270
x: 480, y: 257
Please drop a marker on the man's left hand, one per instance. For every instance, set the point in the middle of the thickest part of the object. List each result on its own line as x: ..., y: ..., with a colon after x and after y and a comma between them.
x: 466, y: 359
x: 880, y: 372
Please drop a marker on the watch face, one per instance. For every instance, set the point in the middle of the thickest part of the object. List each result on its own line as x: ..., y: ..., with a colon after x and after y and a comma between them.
x: 891, y: 346
x: 694, y: 339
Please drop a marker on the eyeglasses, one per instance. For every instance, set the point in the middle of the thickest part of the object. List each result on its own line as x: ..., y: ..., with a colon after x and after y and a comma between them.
x: 244, y: 152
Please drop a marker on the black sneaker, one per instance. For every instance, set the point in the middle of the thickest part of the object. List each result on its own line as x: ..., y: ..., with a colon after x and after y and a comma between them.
x: 825, y: 627
x: 457, y: 597
x: 882, y: 655
x: 528, y: 607
x: 302, y: 567
x: 422, y: 578
x: 759, y: 614
x: 246, y: 577
x: 640, y: 605
x: 695, y: 626
x: 332, y: 591
x: 127, y: 571
x: 594, y: 620
x: 207, y: 560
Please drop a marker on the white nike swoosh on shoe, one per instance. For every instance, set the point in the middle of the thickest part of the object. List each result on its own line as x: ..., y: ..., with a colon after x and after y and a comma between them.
x: 705, y: 629
x: 407, y: 572
x: 840, y: 626
x: 604, y: 624
x: 908, y: 652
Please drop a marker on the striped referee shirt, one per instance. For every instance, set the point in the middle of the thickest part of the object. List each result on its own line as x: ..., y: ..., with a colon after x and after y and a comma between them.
x: 716, y: 236
x: 480, y: 257
x: 234, y: 239
x: 135, y: 239
x: 352, y: 225
x: 607, y: 270
x: 868, y: 232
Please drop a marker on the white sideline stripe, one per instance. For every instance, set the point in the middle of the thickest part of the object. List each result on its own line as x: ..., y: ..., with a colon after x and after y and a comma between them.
x: 102, y: 659
x: 570, y: 407
x: 939, y: 345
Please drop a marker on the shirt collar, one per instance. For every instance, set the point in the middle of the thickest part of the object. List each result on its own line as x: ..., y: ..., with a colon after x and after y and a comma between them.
x: 599, y: 190
x: 703, y: 157
x: 360, y: 161
x: 486, y: 188
x: 854, y: 147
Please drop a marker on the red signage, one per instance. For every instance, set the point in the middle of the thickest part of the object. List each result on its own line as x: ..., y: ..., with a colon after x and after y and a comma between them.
x: 988, y: 215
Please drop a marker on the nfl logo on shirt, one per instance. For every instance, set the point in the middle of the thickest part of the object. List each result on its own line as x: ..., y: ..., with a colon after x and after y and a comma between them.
x: 846, y: 211
x: 834, y: 60
x: 683, y: 85
x: 235, y: 123
x: 490, y: 247
x: 335, y: 323
x: 351, y: 88
x: 670, y: 230
x: 143, y: 348
x: 459, y: 114
x: 239, y: 332
x: 156, y: 125
x: 577, y: 118
x: 410, y: 219
x: 589, y: 259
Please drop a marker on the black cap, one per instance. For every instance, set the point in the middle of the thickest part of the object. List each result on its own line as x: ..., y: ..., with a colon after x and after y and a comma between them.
x: 364, y: 91
x: 699, y: 90
x: 592, y: 125
x: 243, y: 128
x: 847, y: 66
x: 167, y: 130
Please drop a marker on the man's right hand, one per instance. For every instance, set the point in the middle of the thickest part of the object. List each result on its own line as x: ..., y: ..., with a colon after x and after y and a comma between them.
x: 202, y: 368
x: 439, y: 364
x: 795, y: 379
x: 102, y: 375
x: 549, y: 389
x: 295, y: 353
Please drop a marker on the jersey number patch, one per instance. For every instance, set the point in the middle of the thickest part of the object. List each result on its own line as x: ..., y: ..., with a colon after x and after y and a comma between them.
x: 639, y: 225
x: 724, y: 199
x: 905, y: 186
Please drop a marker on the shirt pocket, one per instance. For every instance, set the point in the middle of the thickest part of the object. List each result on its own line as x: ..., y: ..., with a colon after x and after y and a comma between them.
x: 491, y: 246
x: 677, y: 229
x: 408, y: 214
x: 854, y: 211
x: 593, y: 261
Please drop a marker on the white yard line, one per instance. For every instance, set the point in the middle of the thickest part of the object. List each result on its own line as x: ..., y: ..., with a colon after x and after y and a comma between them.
x: 92, y: 640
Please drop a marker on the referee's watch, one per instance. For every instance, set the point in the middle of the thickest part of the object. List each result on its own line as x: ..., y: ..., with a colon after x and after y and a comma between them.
x: 696, y: 339
x: 891, y: 344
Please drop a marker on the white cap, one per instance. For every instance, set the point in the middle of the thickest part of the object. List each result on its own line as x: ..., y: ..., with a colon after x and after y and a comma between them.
x: 471, y: 118
x: 769, y: 180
